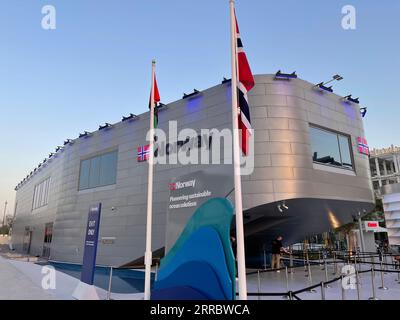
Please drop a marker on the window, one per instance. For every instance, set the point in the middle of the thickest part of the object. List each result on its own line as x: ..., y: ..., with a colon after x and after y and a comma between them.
x: 331, y: 148
x: 98, y: 171
x: 41, y: 194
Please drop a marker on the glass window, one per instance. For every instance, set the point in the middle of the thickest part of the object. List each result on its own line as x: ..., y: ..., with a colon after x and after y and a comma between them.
x: 41, y: 194
x: 99, y: 171
x: 84, y: 175
x: 331, y: 148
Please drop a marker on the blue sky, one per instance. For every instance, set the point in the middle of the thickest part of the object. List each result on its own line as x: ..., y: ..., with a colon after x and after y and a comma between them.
x: 95, y: 67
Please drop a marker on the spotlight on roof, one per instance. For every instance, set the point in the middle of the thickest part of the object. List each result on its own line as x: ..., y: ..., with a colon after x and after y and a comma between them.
x: 84, y: 134
x: 284, y: 205
x: 59, y: 148
x: 279, y: 208
x: 68, y: 141
x: 105, y: 126
x: 195, y: 91
x: 130, y: 117
x: 351, y: 99
x: 363, y: 112
x: 51, y: 155
x: 285, y: 76
x: 161, y: 105
x: 322, y: 87
x: 225, y: 80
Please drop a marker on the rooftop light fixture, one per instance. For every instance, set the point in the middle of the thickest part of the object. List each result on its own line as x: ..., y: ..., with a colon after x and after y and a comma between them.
x: 105, y: 126
x: 68, y: 141
x: 51, y: 155
x: 59, y: 148
x: 351, y: 99
x: 161, y: 106
x: 363, y: 112
x: 84, y: 134
x: 323, y: 85
x: 225, y: 80
x: 285, y: 76
x: 195, y: 91
x: 130, y: 117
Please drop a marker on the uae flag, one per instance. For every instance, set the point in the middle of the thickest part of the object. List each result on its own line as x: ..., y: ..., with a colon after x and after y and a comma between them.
x: 156, y: 100
x: 245, y: 83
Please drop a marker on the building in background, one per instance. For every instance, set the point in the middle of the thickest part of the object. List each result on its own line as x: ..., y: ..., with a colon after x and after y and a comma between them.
x: 310, y: 175
x: 391, y: 205
x: 385, y: 167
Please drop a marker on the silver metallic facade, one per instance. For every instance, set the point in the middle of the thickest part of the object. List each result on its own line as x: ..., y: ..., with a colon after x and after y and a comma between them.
x: 318, y: 196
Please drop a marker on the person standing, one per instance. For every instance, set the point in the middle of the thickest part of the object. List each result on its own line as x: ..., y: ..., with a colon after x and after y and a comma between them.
x: 277, y: 248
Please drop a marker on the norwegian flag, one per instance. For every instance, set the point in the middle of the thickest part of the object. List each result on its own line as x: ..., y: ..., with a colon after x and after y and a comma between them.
x: 245, y: 84
x: 156, y: 100
x: 143, y: 153
x: 362, y: 146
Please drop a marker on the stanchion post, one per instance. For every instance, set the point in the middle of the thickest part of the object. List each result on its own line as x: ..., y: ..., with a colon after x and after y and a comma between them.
x: 291, y: 259
x: 341, y: 284
x: 382, y: 287
x: 358, y: 284
x: 326, y: 274
x: 373, y: 284
x: 258, y: 284
x: 287, y: 281
x: 310, y: 279
x: 323, y: 286
x: 110, y: 284
x: 265, y: 260
x: 334, y: 264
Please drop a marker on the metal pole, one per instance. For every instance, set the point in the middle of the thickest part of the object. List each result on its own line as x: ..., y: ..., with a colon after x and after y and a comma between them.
x: 373, y: 285
x: 334, y: 263
x: 382, y: 287
x: 398, y: 273
x: 323, y: 291
x: 149, y: 216
x: 258, y: 283
x: 341, y: 284
x: 291, y: 259
x: 319, y: 257
x: 361, y: 232
x: 110, y: 284
x: 236, y: 161
x: 265, y: 260
x: 358, y: 284
x: 326, y: 275
x: 156, y: 273
x: 287, y: 282
x: 310, y: 279
x: 4, y: 215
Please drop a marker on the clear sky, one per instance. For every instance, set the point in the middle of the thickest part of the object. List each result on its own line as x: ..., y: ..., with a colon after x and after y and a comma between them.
x: 95, y: 66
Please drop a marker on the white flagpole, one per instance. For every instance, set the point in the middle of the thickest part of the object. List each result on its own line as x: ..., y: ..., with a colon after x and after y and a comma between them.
x: 148, y: 254
x: 236, y: 164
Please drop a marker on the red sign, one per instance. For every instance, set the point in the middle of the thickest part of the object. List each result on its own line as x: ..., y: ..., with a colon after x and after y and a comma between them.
x: 372, y: 224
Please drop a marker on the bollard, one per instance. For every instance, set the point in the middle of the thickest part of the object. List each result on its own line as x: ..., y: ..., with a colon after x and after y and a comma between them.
x: 290, y: 295
x: 382, y: 287
x: 319, y: 257
x: 110, y: 284
x: 326, y: 274
x: 341, y: 284
x: 323, y: 291
x: 373, y: 285
x: 258, y: 283
x: 385, y: 260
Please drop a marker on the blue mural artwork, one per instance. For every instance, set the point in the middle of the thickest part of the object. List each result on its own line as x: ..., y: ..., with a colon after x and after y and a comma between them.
x: 201, y: 264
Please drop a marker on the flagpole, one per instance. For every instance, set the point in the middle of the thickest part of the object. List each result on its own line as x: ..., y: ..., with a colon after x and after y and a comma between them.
x: 148, y: 254
x: 240, y: 255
